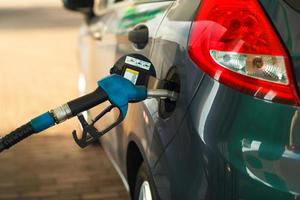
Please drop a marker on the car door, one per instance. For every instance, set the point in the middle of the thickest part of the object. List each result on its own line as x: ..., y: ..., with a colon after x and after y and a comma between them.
x: 107, y: 42
x: 139, y: 125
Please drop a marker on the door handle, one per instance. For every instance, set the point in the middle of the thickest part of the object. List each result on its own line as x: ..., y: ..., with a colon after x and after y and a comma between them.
x: 139, y: 36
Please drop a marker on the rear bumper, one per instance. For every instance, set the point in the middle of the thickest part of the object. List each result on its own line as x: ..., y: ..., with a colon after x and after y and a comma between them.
x: 259, y: 139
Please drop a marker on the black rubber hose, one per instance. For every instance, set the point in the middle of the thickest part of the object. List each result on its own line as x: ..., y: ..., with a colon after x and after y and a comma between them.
x: 16, y: 136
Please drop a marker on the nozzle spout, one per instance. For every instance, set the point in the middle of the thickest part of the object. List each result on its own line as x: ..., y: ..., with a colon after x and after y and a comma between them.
x: 163, y: 94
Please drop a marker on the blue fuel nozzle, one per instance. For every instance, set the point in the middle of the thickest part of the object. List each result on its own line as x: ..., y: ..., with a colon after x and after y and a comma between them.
x: 115, y: 88
x: 121, y: 91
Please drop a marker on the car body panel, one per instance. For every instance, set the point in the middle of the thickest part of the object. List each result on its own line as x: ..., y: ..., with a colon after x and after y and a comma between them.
x: 170, y: 51
x: 114, y: 25
x: 218, y: 143
x: 134, y: 128
x: 286, y: 21
x: 257, y: 161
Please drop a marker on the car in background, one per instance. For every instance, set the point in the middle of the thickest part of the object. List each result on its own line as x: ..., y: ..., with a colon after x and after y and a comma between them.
x: 234, y: 132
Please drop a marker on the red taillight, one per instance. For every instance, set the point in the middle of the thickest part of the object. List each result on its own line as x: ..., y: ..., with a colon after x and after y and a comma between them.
x: 233, y: 42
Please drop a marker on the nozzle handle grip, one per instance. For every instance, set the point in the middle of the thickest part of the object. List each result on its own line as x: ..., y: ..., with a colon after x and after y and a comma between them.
x: 16, y: 136
x: 88, y: 101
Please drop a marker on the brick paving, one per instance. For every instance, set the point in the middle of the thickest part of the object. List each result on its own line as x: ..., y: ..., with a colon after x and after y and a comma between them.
x: 55, y: 168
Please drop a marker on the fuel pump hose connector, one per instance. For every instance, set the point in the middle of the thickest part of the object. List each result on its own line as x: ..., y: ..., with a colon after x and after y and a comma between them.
x: 114, y: 88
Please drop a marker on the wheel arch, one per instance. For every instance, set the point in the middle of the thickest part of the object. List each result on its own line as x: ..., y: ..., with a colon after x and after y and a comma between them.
x: 134, y: 159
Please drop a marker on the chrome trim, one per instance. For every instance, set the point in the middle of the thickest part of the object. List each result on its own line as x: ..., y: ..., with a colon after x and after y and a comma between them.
x: 145, y: 191
x: 61, y: 113
x: 162, y: 93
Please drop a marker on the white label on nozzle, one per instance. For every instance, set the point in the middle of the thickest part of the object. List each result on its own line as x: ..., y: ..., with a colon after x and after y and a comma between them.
x: 131, y: 75
x: 137, y: 62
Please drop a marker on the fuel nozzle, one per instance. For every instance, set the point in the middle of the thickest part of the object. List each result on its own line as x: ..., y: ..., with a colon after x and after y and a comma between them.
x: 133, y: 81
x: 162, y: 94
x: 141, y: 72
x: 114, y: 88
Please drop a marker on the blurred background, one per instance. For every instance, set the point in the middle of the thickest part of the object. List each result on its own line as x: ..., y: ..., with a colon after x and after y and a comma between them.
x: 39, y: 68
x: 38, y: 71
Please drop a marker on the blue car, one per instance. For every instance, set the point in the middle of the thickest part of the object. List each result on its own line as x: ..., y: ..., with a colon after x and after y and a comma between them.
x: 234, y: 131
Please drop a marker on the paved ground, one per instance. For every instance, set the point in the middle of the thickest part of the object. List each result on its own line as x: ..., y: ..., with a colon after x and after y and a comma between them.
x: 38, y: 71
x: 54, y: 168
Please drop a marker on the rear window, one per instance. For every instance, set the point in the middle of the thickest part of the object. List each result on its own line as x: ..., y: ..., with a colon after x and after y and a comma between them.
x: 294, y: 3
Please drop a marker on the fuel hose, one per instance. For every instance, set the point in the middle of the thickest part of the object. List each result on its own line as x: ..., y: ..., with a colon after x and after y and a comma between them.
x: 52, y: 117
x: 116, y: 89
